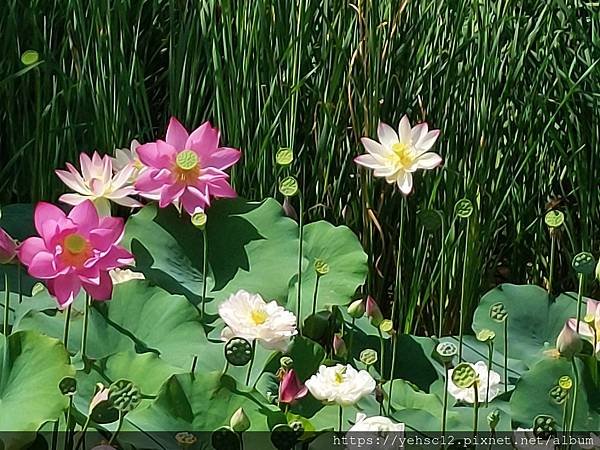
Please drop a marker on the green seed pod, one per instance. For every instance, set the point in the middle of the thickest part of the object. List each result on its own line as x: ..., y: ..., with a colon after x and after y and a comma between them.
x: 493, y: 419
x: 544, y: 426
x: 185, y: 439
x: 464, y: 376
x: 485, y: 335
x: 565, y: 382
x: 288, y: 186
x: 446, y: 351
x: 68, y: 386
x: 286, y: 362
x: 554, y: 218
x: 283, y: 437
x: 584, y: 263
x: 368, y: 357
x: 30, y: 57
x: 463, y: 208
x: 238, y: 351
x: 558, y: 394
x: 225, y: 438
x: 430, y: 219
x: 387, y: 326
x: 298, y: 428
x: 321, y: 267
x: 199, y: 220
x: 284, y: 156
x: 498, y: 312
x: 239, y: 422
x: 124, y: 395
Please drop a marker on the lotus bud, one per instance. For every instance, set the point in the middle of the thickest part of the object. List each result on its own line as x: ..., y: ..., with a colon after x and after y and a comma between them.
x: 374, y: 312
x: 291, y: 388
x: 8, y: 248
x: 368, y: 357
x: 339, y: 346
x: 239, y: 422
x: 356, y: 309
x: 568, y: 342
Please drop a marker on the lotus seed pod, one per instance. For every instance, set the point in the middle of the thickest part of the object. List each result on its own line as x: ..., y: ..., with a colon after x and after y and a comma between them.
x: 464, y: 376
x: 124, y: 395
x: 498, y: 312
x: 286, y: 362
x: 288, y: 186
x: 356, y: 309
x: 544, y: 426
x: 225, y: 438
x: 463, y: 208
x: 368, y: 357
x: 298, y: 428
x: 493, y: 419
x: 558, y: 394
x: 430, y: 219
x: 185, y: 439
x: 387, y: 326
x: 565, y: 382
x: 238, y: 351
x: 284, y: 156
x: 283, y: 437
x: 584, y: 263
x: 554, y: 218
x: 199, y: 220
x: 446, y: 351
x: 568, y: 342
x: 321, y: 267
x: 68, y: 386
x: 485, y: 335
x: 239, y: 421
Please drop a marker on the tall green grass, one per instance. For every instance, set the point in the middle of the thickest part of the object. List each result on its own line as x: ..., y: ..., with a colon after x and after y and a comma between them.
x: 512, y: 85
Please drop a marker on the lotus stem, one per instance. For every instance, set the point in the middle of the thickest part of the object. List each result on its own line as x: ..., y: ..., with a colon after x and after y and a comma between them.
x: 83, y: 431
x: 442, y: 282
x: 194, y: 363
x: 575, y: 389
x: 394, y: 341
x: 490, y: 362
x: 382, y: 351
x: 6, y: 305
x: 579, y: 299
x: 396, y: 301
x: 475, y: 408
x: 114, y: 435
x: 66, y: 328
x: 251, y: 363
x: 552, y: 255
x: 341, y: 418
x: 462, y: 293
x: 315, y: 294
x: 565, y: 420
x: 300, y: 257
x: 20, y: 282
x: 505, y: 354
x: 445, y: 408
x: 204, y: 266
x: 69, y: 435
x: 86, y: 318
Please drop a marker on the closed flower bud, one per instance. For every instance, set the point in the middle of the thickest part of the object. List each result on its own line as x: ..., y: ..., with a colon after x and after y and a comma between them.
x: 339, y: 346
x: 8, y: 248
x: 568, y: 342
x: 374, y: 312
x: 239, y: 422
x: 356, y: 309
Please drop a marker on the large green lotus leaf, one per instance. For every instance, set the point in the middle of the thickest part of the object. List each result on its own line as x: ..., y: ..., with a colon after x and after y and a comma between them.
x: 203, y: 402
x: 531, y: 396
x: 251, y: 246
x: 31, y: 368
x: 139, y: 317
x: 534, y: 318
x: 341, y: 250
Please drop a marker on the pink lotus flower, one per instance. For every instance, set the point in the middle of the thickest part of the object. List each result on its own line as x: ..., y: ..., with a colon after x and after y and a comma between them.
x: 187, y: 169
x: 291, y: 388
x: 8, y: 248
x: 97, y: 183
x: 75, y: 251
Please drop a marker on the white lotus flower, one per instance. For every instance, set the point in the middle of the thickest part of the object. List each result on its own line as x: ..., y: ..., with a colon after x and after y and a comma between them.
x: 467, y: 394
x: 119, y: 276
x: 125, y: 157
x: 397, y: 155
x: 250, y: 317
x: 340, y: 384
x: 376, y: 428
x: 98, y: 183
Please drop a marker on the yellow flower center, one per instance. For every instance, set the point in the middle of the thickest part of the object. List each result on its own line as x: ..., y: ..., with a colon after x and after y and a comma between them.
x: 258, y: 316
x: 339, y: 375
x: 187, y: 167
x: 403, y: 156
x: 77, y: 250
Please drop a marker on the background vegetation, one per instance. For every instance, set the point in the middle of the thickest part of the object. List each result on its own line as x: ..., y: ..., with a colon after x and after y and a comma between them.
x: 513, y: 85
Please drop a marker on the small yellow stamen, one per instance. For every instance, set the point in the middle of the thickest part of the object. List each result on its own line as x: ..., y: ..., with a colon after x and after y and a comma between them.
x: 403, y: 155
x: 339, y: 375
x: 259, y: 316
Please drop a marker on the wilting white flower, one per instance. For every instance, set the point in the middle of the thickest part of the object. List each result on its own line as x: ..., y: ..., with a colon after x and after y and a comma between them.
x: 98, y: 183
x: 250, y: 317
x: 119, y: 276
x: 376, y: 428
x: 340, y: 384
x: 397, y: 155
x: 467, y: 394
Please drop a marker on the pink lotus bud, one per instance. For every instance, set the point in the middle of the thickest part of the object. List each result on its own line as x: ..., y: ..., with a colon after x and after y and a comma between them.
x: 569, y: 342
x: 357, y: 309
x: 339, y: 346
x: 373, y: 311
x: 8, y: 248
x: 291, y: 388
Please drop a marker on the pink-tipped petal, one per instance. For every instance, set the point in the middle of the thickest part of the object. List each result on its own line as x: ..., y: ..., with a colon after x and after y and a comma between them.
x: 375, y: 148
x: 404, y: 130
x: 116, y: 257
x: 102, y: 291
x: 152, y: 180
x: 405, y: 182
x: 368, y: 161
x: 46, y: 212
x: 428, y: 161
x: 72, y: 180
x: 85, y: 164
x: 418, y: 132
x: 177, y: 135
x: 427, y: 141
x: 386, y: 134
x: 221, y: 188
x: 72, y: 199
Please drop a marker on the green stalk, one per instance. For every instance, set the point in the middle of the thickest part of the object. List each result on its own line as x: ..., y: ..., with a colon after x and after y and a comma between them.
x: 398, y: 278
x: 300, y: 257
x: 445, y: 408
x: 86, y: 318
x: 394, y: 340
x: 490, y: 362
x: 565, y: 412
x: 66, y: 328
x: 462, y: 294
x: 579, y: 299
x: 506, y: 354
x: 552, y: 256
x: 251, y: 363
x: 382, y: 351
x: 575, y: 389
x: 6, y: 305
x: 340, y: 418
x: 442, y: 282
x: 475, y: 408
x: 20, y: 282
x: 204, y: 266
x: 315, y: 294
x: 114, y: 435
